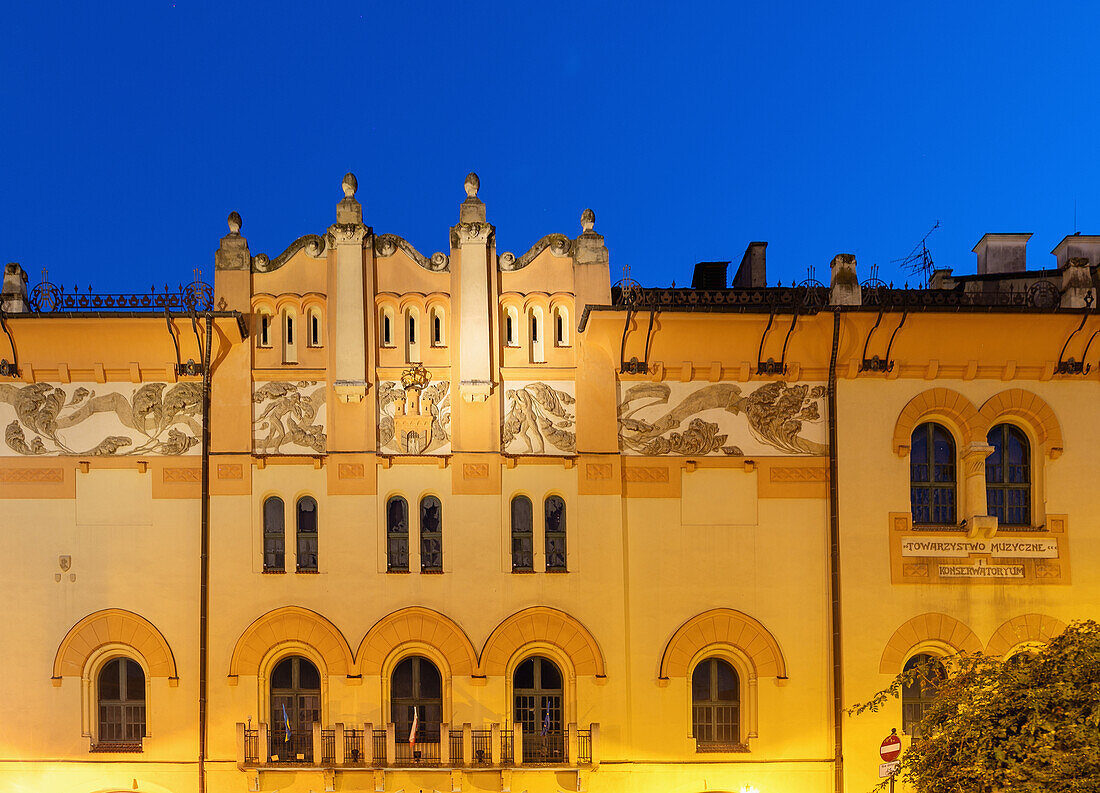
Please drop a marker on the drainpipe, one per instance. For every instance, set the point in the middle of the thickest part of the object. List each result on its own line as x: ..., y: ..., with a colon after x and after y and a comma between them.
x: 834, y: 570
x: 204, y: 558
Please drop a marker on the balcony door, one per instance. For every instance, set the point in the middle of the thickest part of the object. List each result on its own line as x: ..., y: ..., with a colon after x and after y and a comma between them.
x: 295, y: 705
x: 537, y: 690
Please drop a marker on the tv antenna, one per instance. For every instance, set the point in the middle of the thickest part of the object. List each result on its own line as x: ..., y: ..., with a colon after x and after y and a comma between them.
x: 919, y: 261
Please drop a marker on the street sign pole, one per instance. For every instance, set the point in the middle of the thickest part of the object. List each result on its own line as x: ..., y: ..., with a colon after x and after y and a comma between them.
x: 889, y: 750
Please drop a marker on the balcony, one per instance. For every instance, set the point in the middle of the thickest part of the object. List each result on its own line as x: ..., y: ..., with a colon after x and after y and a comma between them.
x: 441, y: 747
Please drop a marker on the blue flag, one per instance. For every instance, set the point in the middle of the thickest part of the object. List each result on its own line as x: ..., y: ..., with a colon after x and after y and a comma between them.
x: 546, y: 721
x: 286, y: 723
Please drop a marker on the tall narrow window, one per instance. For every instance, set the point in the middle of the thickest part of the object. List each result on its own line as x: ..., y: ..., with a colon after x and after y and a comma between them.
x: 431, y: 535
x: 715, y: 705
x: 290, y: 345
x: 416, y: 694
x: 121, y: 704
x: 307, y: 535
x: 397, y: 535
x: 438, y: 337
x: 1008, y: 476
x: 932, y: 475
x: 314, y: 328
x: 537, y: 710
x: 561, y: 326
x: 412, y: 336
x: 387, y: 328
x: 522, y: 535
x: 274, y: 536
x: 412, y: 329
x: 917, y: 695
x: 511, y: 327
x: 265, y: 330
x: 555, y: 534
x: 538, y: 344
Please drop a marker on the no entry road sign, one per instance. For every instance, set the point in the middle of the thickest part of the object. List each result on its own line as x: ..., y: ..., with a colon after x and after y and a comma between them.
x: 890, y: 748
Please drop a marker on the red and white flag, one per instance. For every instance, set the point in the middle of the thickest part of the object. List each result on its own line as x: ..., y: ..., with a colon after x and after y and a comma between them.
x: 412, y: 730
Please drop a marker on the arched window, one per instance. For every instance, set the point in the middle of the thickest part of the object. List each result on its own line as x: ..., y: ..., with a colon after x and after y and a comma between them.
x: 295, y: 705
x: 314, y: 328
x: 511, y: 327
x: 120, y: 703
x: 431, y: 534
x: 307, y: 535
x: 538, y: 344
x: 555, y: 534
x: 264, y: 339
x: 290, y: 342
x: 715, y: 706
x: 397, y: 534
x: 932, y: 475
x: 416, y: 683
x: 412, y: 336
x: 522, y: 535
x: 386, y: 332
x: 274, y: 536
x: 537, y: 701
x: 1008, y: 476
x: 561, y: 326
x: 438, y: 337
x: 917, y: 696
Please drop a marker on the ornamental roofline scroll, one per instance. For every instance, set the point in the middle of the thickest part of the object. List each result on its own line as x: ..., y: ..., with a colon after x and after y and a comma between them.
x: 313, y: 244
x: 559, y: 245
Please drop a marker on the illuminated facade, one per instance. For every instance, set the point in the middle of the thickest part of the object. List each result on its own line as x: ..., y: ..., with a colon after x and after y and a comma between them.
x: 583, y: 537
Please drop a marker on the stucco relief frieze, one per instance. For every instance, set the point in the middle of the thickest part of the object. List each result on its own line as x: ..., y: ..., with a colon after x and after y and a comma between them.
x: 288, y: 417
x: 100, y: 419
x: 776, y: 418
x: 389, y: 244
x: 539, y: 418
x: 414, y: 414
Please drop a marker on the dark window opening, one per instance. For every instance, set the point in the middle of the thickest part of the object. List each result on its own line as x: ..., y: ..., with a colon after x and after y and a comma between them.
x: 416, y: 683
x: 537, y: 710
x: 397, y: 534
x: 431, y: 534
x: 715, y: 705
x: 307, y: 534
x: 1008, y: 476
x: 121, y: 703
x: 932, y: 475
x: 917, y: 696
x: 274, y: 535
x: 295, y: 706
x: 555, y: 534
x: 522, y: 535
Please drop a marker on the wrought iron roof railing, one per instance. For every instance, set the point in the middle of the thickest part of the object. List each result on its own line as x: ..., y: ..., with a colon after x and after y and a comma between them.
x: 47, y: 297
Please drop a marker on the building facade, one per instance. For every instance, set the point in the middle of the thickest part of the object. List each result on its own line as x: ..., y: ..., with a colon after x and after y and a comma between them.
x: 357, y: 518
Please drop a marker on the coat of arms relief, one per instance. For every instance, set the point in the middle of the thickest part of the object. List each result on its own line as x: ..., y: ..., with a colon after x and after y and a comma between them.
x: 414, y: 414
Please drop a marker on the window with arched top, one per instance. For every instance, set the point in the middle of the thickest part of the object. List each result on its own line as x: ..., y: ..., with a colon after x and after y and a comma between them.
x: 431, y: 535
x: 555, y: 534
x: 385, y: 330
x: 523, y: 538
x: 561, y: 326
x: 295, y: 706
x: 274, y: 536
x: 1008, y: 476
x: 397, y: 535
x: 537, y: 709
x: 932, y: 475
x: 715, y: 706
x: 263, y: 334
x: 538, y: 343
x: 314, y: 320
x: 120, y: 704
x: 439, y: 337
x: 511, y: 327
x: 416, y: 695
x: 412, y: 336
x: 307, y: 535
x: 290, y: 341
x: 923, y: 675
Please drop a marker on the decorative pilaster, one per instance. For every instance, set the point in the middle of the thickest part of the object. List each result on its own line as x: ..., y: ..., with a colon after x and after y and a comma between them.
x: 591, y: 267
x: 473, y: 239
x: 978, y: 522
x: 347, y: 236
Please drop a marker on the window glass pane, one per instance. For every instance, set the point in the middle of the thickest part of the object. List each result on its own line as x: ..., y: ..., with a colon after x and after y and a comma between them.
x: 700, y: 681
x: 521, y: 514
x: 307, y: 515
x: 402, y: 685
x: 431, y: 684
x: 431, y: 515
x: 273, y: 515
x: 555, y: 514
x: 525, y: 674
x: 308, y: 676
x: 282, y: 677
x: 726, y: 680
x: 397, y: 516
x: 109, y: 676
x: 551, y: 677
x: 918, y: 453
x: 135, y: 681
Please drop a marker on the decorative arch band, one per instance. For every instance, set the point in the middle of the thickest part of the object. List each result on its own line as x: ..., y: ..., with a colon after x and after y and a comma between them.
x: 416, y: 624
x: 719, y: 627
x: 930, y: 627
x: 113, y: 626
x: 542, y: 624
x: 290, y: 624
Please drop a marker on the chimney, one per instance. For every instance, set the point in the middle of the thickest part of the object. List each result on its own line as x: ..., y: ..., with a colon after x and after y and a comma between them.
x: 1078, y: 246
x: 709, y: 275
x: 13, y: 296
x: 1002, y: 253
x: 752, y: 272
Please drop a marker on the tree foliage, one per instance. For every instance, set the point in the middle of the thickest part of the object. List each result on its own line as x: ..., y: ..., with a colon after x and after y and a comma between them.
x: 1028, y: 724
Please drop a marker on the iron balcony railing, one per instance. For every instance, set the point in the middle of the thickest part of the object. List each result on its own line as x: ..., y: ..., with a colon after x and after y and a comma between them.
x: 584, y: 747
x: 353, y: 748
x: 378, y: 741
x: 507, y: 753
x: 545, y: 748
x: 251, y: 746
x: 328, y: 747
x: 293, y: 747
x: 482, y: 747
x: 456, y: 746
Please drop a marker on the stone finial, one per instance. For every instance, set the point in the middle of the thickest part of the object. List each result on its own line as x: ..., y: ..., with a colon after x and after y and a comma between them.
x: 234, y: 221
x: 350, y: 185
x: 13, y: 296
x: 844, y: 285
x: 472, y: 185
x: 588, y: 220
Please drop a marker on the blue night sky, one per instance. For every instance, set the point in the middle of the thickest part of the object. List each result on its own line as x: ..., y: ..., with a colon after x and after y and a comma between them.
x: 130, y: 130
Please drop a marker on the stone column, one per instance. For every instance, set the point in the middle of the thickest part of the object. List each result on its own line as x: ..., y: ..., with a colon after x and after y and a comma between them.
x: 844, y: 288
x: 339, y: 743
x: 978, y: 522
x: 495, y: 743
x: 349, y: 336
